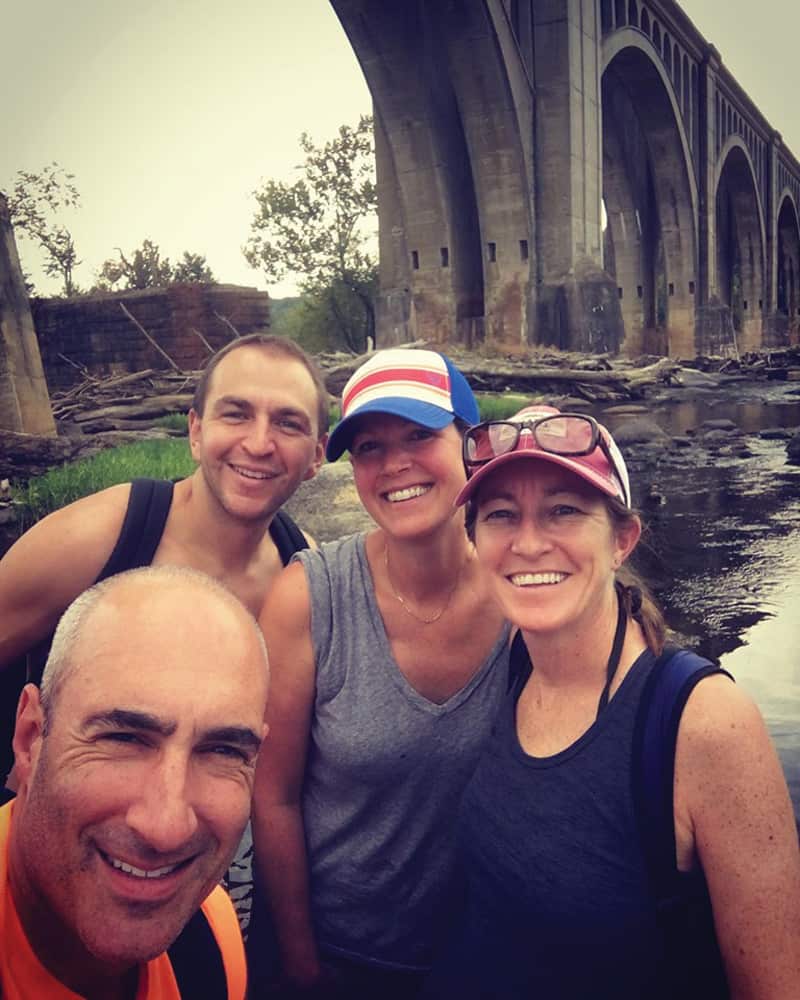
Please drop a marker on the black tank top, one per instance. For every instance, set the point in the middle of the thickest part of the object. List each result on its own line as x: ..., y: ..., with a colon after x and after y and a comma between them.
x: 142, y: 527
x: 560, y: 904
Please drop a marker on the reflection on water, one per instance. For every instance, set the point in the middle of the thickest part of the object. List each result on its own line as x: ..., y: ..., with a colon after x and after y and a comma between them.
x: 723, y: 555
x: 750, y: 415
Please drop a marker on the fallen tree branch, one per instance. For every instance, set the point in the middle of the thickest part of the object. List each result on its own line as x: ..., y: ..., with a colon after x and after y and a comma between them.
x: 154, y: 406
x: 230, y: 326
x: 81, y: 368
x: 160, y: 350
x: 196, y: 332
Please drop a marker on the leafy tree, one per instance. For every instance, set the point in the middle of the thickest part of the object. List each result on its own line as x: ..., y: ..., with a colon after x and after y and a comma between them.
x: 145, y: 268
x: 34, y: 201
x: 320, y: 229
x: 192, y: 267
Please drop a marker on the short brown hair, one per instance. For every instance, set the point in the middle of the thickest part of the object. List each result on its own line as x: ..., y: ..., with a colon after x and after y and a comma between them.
x: 277, y: 345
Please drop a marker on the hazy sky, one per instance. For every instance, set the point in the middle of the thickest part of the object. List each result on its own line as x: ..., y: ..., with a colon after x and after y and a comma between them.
x: 170, y: 113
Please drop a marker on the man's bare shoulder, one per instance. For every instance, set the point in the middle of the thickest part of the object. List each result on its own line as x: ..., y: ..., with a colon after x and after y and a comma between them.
x: 96, y: 519
x: 53, y: 562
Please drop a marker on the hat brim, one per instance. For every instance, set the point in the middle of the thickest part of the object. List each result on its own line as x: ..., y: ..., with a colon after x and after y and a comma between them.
x: 603, y: 483
x: 428, y: 415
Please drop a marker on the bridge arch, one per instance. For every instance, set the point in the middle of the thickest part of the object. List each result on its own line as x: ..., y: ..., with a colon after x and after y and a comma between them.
x: 455, y: 206
x: 650, y: 195
x: 787, y: 319
x: 740, y: 243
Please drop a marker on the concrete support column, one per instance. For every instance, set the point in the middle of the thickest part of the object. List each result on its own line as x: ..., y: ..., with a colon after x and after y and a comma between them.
x: 24, y: 399
x: 578, y: 307
x: 771, y: 224
x: 775, y: 328
x: 712, y: 318
x: 706, y: 168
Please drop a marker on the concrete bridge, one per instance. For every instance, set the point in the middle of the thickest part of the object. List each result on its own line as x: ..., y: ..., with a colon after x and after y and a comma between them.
x: 579, y: 173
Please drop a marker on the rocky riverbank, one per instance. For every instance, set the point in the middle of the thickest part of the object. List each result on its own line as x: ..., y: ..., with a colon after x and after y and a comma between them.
x: 626, y: 394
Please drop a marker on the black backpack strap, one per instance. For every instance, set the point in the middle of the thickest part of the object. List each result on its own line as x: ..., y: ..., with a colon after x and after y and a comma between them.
x: 142, y: 527
x: 519, y: 664
x: 197, y: 962
x: 671, y: 681
x: 287, y: 536
x: 145, y: 517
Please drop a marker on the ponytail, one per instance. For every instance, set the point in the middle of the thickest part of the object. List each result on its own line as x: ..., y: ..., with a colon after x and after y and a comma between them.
x: 641, y: 606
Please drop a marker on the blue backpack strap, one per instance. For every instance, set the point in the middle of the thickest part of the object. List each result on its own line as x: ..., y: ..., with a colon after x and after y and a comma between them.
x: 197, y: 962
x: 692, y: 964
x: 671, y: 681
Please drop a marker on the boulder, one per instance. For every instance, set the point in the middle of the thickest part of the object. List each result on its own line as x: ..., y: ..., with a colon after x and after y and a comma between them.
x: 640, y: 431
x: 793, y: 449
x: 327, y: 507
x: 719, y: 425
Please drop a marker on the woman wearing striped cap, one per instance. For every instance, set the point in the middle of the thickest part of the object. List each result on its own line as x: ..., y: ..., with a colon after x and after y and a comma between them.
x: 389, y: 661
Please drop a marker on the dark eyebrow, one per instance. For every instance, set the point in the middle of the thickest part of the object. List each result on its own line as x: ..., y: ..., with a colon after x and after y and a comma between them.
x: 239, y: 736
x: 229, y: 400
x: 126, y: 718
x: 551, y: 491
x: 123, y: 718
x: 498, y: 494
x: 292, y: 411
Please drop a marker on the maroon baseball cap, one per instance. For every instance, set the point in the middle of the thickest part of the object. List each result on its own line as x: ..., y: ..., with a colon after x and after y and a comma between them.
x: 497, y: 444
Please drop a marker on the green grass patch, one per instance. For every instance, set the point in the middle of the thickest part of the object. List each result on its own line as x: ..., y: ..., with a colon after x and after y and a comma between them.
x: 157, y: 459
x: 500, y: 406
x: 173, y: 422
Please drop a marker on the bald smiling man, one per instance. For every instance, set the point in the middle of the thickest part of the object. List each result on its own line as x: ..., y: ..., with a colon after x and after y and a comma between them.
x: 135, y: 760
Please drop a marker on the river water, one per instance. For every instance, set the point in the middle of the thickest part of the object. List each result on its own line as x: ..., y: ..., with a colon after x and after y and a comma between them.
x: 722, y: 550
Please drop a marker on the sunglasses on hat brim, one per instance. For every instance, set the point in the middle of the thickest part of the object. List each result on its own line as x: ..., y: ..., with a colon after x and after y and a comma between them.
x: 566, y: 434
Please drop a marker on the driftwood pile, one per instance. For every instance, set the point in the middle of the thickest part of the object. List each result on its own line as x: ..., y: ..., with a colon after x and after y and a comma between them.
x: 122, y: 402
x: 126, y: 402
x: 594, y: 379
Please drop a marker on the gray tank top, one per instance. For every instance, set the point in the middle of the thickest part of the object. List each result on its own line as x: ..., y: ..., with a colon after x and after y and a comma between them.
x: 384, y: 774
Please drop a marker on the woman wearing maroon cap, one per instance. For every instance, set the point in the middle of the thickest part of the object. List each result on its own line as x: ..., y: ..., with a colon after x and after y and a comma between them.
x: 575, y: 890
x: 389, y: 662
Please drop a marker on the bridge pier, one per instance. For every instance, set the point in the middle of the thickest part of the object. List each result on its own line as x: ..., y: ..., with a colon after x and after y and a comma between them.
x: 24, y: 399
x: 578, y: 305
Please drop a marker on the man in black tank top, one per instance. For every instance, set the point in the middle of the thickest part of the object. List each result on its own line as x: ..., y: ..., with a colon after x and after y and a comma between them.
x: 257, y: 429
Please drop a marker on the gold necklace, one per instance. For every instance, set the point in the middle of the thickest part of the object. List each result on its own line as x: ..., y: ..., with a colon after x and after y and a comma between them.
x: 408, y: 610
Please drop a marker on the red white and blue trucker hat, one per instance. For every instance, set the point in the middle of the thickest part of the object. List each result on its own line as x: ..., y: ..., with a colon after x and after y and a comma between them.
x: 421, y: 386
x: 603, y: 468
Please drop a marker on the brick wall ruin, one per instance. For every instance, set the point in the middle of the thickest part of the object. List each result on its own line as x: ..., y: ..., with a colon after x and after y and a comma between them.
x: 93, y: 332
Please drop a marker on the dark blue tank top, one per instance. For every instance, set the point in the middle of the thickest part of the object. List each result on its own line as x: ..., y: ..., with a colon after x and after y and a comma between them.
x: 559, y: 904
